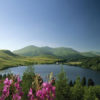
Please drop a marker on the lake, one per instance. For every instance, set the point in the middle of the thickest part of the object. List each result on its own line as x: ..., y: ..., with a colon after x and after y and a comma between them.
x: 72, y: 71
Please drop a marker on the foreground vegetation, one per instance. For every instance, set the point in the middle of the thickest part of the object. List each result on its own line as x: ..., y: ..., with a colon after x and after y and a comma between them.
x: 12, y: 88
x: 32, y: 87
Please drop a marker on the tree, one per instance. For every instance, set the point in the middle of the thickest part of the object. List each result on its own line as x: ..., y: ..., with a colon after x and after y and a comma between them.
x: 89, y: 93
x: 71, y: 83
x: 83, y: 82
x: 0, y: 77
x: 62, y: 87
x: 27, y: 79
x: 90, y: 82
x: 77, y: 91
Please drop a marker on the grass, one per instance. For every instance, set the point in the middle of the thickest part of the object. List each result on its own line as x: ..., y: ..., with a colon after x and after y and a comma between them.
x: 21, y: 61
x: 74, y: 63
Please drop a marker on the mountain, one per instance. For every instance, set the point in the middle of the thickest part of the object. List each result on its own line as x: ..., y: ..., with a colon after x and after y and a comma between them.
x: 33, y: 51
x: 60, y: 52
x: 91, y: 54
x: 96, y: 53
x: 88, y: 54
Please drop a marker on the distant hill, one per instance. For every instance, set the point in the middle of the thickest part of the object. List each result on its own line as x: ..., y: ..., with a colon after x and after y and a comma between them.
x: 91, y: 54
x: 6, y: 54
x: 7, y: 58
x: 91, y: 63
x: 96, y: 53
x: 60, y: 52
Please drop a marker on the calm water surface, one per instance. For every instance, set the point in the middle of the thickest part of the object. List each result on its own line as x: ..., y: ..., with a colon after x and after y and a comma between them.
x: 71, y: 71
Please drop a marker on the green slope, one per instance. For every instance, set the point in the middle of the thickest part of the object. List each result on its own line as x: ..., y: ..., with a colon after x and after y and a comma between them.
x: 6, y: 54
x: 96, y: 53
x: 9, y: 59
x: 88, y: 54
x: 91, y: 54
x: 91, y: 63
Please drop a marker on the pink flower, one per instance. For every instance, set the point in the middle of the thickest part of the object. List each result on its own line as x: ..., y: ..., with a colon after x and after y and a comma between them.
x: 19, y: 92
x: 47, y: 92
x: 16, y: 85
x: 16, y: 97
x: 18, y: 79
x: 44, y: 84
x: 2, y: 97
x: 8, y: 82
x: 30, y: 94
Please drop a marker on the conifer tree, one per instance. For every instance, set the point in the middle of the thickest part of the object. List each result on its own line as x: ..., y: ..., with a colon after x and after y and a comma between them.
x: 77, y: 91
x: 62, y: 87
x: 83, y: 82
x: 71, y: 83
x: 90, y: 82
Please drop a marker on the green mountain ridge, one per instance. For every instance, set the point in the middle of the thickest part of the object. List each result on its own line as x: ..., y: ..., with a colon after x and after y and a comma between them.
x: 44, y: 51
x: 96, y: 52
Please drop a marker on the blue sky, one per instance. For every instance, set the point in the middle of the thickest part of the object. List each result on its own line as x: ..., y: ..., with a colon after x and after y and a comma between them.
x: 68, y: 23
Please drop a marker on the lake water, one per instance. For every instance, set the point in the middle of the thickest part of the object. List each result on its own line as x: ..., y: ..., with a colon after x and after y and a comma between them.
x: 71, y: 71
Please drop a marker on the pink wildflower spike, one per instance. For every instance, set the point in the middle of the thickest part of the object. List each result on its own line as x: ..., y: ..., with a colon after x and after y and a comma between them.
x: 53, y: 89
x: 2, y: 97
x: 47, y: 92
x: 18, y: 79
x: 30, y: 94
x: 16, y: 97
x: 16, y: 85
x: 44, y: 84
x: 8, y: 82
